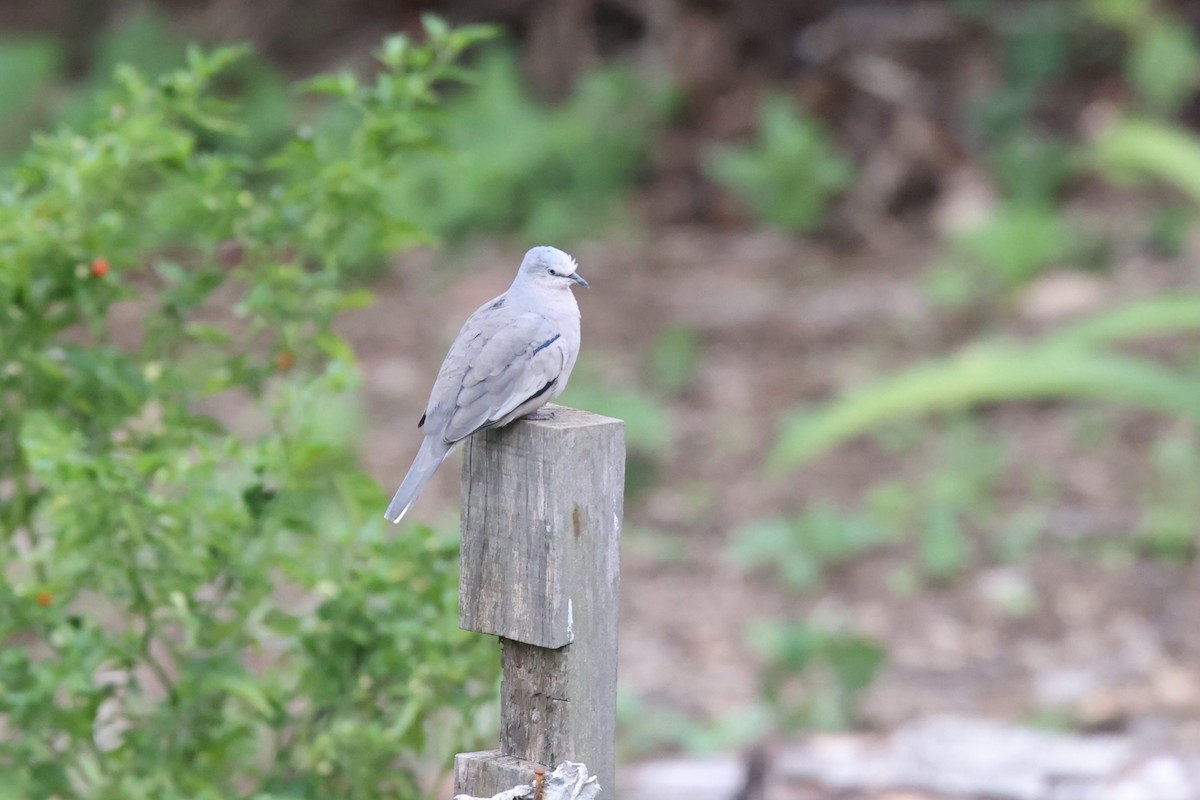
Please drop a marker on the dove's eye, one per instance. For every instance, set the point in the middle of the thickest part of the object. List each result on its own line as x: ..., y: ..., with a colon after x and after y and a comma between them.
x: 552, y: 271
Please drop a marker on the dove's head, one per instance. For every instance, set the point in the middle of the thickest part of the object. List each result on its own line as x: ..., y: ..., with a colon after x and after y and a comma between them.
x: 550, y: 268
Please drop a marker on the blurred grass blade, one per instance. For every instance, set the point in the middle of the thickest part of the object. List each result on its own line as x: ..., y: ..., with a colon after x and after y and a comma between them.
x: 985, y: 375
x: 1156, y: 316
x: 1134, y: 150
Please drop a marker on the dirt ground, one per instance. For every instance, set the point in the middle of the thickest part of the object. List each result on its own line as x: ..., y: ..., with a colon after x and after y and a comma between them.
x: 1107, y: 645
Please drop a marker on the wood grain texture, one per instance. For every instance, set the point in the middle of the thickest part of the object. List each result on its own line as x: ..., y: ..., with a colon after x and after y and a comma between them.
x: 542, y: 510
x: 542, y: 506
x: 487, y: 773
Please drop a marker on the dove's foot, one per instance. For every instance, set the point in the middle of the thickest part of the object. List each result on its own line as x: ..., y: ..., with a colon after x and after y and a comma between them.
x: 539, y: 415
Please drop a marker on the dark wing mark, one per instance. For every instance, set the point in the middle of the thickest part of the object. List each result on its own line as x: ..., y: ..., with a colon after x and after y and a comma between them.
x: 544, y: 345
x: 422, y: 422
x: 549, y: 385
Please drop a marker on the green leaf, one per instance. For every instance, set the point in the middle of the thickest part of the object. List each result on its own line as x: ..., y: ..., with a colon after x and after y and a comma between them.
x: 789, y: 175
x: 343, y: 84
x: 1018, y: 242
x: 435, y: 27
x: 1156, y: 316
x: 1164, y: 63
x: 356, y: 299
x: 335, y: 347
x: 50, y: 447
x: 855, y: 660
x: 1137, y: 151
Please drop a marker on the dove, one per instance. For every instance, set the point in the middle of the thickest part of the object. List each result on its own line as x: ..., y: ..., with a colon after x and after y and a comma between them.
x: 512, y: 356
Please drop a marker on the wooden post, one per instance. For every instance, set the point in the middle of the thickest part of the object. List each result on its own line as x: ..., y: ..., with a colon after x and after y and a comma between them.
x: 542, y: 509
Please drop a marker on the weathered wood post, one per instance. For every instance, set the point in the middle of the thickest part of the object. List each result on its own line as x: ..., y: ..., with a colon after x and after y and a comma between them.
x: 542, y: 509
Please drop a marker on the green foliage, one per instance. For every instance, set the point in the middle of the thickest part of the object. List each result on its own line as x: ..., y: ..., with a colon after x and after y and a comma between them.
x: 1031, y: 170
x: 144, y: 43
x: 545, y: 174
x: 937, y: 510
x: 1074, y: 363
x: 1016, y: 244
x: 1168, y: 231
x: 802, y: 547
x: 1163, y: 64
x: 1034, y: 43
x: 187, y: 613
x: 674, y: 359
x: 649, y: 432
x: 1025, y: 235
x: 1134, y: 151
x: 643, y: 728
x: 647, y: 423
x: 1162, y: 60
x: 813, y: 677
x: 1170, y: 525
x: 953, y: 497
x: 1028, y: 232
x: 27, y: 67
x: 788, y: 176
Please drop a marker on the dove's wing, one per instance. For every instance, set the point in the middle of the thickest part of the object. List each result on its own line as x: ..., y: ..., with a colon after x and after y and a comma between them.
x: 513, y: 364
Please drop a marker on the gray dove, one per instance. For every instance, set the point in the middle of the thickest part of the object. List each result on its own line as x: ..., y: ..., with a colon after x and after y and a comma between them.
x: 513, y: 355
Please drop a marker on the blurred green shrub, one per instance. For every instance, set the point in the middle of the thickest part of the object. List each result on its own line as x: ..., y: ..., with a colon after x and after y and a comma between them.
x: 1016, y: 244
x: 1032, y: 170
x: 938, y: 511
x: 644, y: 727
x: 1162, y: 58
x: 1163, y: 64
x: 186, y: 613
x: 505, y: 163
x: 27, y: 67
x: 1034, y: 42
x: 648, y: 426
x: 791, y: 172
x: 1041, y: 43
x: 34, y: 92
x: 1037, y: 43
x: 525, y: 168
x: 813, y: 677
x: 1135, y: 151
x: 799, y: 549
x: 1170, y: 525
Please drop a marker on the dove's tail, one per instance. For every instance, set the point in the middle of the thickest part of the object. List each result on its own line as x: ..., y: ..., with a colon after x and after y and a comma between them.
x: 431, y: 455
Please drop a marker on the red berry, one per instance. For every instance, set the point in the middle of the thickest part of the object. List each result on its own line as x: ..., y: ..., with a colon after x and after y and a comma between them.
x: 285, y: 361
x: 100, y: 267
x: 44, y: 599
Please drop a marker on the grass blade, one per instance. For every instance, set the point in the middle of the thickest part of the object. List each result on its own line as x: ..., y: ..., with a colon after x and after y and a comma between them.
x: 988, y: 374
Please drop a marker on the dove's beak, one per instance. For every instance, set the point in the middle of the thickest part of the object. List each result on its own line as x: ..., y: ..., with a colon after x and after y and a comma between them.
x: 575, y: 277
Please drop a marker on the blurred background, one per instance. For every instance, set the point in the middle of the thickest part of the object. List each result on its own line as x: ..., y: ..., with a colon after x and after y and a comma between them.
x: 898, y: 301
